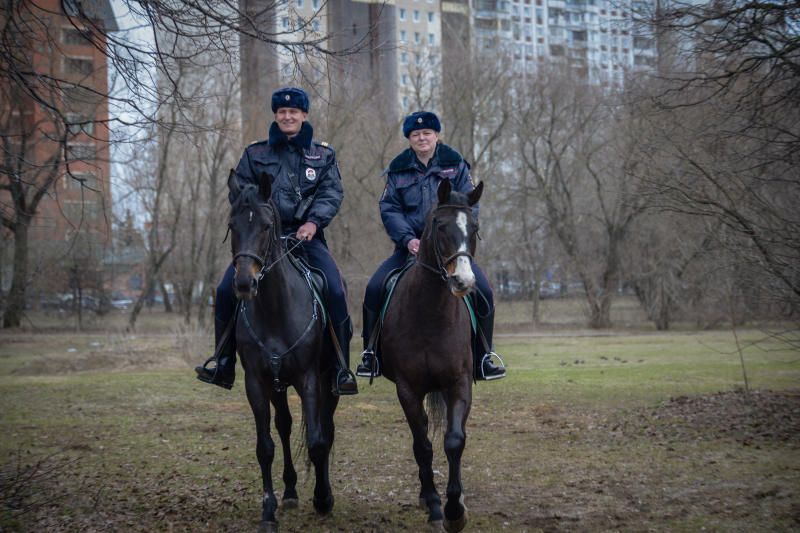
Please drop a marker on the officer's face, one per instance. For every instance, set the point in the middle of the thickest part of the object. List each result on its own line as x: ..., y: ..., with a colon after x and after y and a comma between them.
x: 290, y: 120
x: 423, y: 141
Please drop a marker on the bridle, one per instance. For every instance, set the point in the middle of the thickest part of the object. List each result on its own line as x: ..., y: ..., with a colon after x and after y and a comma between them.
x: 440, y: 269
x: 261, y: 259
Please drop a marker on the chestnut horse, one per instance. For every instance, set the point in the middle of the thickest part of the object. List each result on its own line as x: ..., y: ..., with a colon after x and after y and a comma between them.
x: 425, y: 345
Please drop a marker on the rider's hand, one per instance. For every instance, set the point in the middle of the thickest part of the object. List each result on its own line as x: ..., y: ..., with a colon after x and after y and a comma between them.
x: 307, y: 231
x: 413, y: 246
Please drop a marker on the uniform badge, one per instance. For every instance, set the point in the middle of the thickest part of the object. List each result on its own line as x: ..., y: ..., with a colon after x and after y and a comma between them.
x: 311, y: 174
x: 288, y: 97
x: 419, y: 120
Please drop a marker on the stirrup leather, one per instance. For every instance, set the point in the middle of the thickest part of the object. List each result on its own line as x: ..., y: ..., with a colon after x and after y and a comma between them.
x: 489, y: 355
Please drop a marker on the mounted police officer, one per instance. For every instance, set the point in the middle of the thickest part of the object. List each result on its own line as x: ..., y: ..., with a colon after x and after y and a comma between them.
x: 307, y: 191
x: 412, y: 180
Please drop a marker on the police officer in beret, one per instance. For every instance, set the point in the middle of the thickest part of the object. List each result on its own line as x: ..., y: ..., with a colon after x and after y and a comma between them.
x: 307, y: 190
x: 412, y: 180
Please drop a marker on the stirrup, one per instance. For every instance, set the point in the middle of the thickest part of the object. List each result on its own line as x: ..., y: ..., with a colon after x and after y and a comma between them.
x: 489, y: 355
x: 336, y: 390
x: 375, y: 367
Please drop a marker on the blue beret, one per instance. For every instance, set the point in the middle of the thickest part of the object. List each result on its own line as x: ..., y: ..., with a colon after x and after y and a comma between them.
x: 421, y: 120
x: 290, y: 97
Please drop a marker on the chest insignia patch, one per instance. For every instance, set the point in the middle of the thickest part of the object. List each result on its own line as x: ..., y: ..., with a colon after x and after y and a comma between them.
x: 313, y: 157
x: 447, y: 171
x: 311, y: 174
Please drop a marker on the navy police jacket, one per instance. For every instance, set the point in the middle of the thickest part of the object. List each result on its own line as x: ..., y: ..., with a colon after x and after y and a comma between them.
x: 411, y: 190
x: 300, y: 169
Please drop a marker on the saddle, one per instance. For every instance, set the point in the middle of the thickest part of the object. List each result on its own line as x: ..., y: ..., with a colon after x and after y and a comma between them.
x: 387, y: 291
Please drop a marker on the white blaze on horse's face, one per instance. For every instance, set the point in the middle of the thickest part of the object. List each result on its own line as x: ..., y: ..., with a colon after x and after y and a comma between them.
x: 463, y: 271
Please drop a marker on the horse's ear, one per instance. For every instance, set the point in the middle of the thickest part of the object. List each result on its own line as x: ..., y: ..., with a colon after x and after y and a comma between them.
x: 233, y: 183
x: 444, y: 191
x: 475, y: 195
x: 265, y: 187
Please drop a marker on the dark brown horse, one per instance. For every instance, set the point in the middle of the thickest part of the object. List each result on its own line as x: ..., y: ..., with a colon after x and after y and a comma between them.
x: 426, y: 347
x: 281, y: 341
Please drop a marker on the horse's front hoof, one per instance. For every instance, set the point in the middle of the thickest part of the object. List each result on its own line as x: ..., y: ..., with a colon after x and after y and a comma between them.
x: 267, y: 527
x: 435, y: 526
x: 324, y: 507
x: 453, y: 526
x: 290, y: 503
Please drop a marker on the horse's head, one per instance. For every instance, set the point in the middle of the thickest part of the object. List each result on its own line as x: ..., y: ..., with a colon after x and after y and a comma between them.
x: 454, y: 234
x: 253, y: 225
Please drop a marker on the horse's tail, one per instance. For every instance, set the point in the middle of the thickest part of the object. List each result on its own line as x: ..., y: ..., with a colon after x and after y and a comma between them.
x: 437, y: 411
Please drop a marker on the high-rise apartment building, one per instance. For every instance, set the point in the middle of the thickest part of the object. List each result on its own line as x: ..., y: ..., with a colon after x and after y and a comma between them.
x: 596, y: 39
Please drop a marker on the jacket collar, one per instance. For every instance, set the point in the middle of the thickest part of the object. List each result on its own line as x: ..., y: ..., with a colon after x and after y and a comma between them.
x: 301, y: 140
x: 444, y: 156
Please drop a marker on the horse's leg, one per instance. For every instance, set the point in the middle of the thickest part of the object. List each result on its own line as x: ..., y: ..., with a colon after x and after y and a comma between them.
x: 318, y: 449
x: 423, y: 450
x: 283, y: 423
x: 459, y: 400
x: 258, y: 396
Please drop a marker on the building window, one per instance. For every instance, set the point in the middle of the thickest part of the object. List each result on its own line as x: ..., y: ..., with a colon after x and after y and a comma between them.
x: 315, y: 4
x: 416, y: 15
x: 430, y: 16
x: 73, y: 36
x: 79, y: 122
x: 78, y: 65
x: 405, y: 102
x: 417, y: 59
x: 75, y: 210
x: 403, y: 57
x: 76, y: 180
x: 431, y: 38
x: 299, y: 3
x: 285, y: 23
x: 82, y: 152
x: 404, y: 80
x: 315, y: 25
x: 402, y: 14
x: 402, y: 36
x: 416, y: 37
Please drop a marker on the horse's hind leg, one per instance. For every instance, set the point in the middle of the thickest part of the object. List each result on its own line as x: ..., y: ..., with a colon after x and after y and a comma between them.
x: 423, y: 450
x: 257, y: 395
x: 318, y: 448
x: 283, y: 423
x: 459, y: 399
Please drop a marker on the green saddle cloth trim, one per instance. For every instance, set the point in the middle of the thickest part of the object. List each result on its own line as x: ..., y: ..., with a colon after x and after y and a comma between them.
x: 473, y: 319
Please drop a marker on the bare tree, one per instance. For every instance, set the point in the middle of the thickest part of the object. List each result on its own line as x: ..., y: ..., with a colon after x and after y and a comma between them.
x: 580, y: 172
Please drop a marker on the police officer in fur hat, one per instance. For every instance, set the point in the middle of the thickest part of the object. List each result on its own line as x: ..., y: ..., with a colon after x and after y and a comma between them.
x: 307, y: 191
x: 412, y: 180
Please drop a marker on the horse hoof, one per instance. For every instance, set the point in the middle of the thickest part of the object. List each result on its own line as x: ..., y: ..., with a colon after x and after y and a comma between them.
x: 268, y: 527
x: 290, y: 503
x: 324, y: 507
x: 453, y: 526
x: 435, y: 526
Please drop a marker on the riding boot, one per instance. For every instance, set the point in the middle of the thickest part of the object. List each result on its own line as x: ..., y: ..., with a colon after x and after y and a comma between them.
x: 223, y: 372
x: 344, y: 382
x: 370, y: 365
x: 483, y: 354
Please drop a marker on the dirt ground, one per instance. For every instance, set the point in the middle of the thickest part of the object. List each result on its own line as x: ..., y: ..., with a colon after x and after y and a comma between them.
x: 101, y: 442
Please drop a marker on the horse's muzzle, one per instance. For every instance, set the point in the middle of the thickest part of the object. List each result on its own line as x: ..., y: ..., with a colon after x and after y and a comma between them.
x: 458, y: 287
x: 246, y: 284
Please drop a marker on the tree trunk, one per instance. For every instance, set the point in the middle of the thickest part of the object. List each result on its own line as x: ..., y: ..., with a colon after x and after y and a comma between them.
x: 164, y: 294
x: 12, y: 318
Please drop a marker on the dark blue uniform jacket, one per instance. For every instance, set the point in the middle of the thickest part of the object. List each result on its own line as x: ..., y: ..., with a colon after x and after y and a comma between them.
x: 300, y: 168
x: 411, y: 190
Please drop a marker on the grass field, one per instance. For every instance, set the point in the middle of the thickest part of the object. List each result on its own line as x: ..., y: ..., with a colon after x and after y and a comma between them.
x: 630, y: 432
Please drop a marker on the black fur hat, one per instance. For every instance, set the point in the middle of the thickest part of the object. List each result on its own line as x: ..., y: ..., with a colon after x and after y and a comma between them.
x: 290, y: 97
x: 421, y: 120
